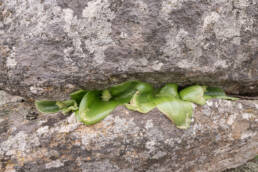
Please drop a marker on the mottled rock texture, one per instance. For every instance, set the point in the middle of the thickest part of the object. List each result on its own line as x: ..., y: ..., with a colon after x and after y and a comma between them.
x: 223, y: 135
x: 50, y: 47
x: 251, y: 166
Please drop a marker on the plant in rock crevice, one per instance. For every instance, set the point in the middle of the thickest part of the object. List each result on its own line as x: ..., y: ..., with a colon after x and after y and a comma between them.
x: 93, y: 106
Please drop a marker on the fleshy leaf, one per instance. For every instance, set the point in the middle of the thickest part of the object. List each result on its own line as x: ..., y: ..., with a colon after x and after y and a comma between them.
x: 78, y: 95
x: 215, y: 92
x: 227, y: 97
x: 123, y: 92
x: 106, y: 96
x: 46, y: 106
x: 69, y: 109
x: 122, y: 88
x: 193, y: 94
x: 144, y: 87
x: 76, y: 113
x: 178, y: 111
x: 67, y: 106
x: 125, y: 95
x: 66, y: 103
x: 142, y: 102
x: 169, y: 90
x: 92, y: 109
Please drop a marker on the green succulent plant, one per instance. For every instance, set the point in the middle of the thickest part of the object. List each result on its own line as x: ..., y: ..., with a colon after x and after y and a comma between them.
x: 178, y: 111
x: 47, y: 106
x: 78, y: 95
x: 169, y: 90
x: 194, y: 94
x: 215, y: 92
x: 169, y: 103
x: 143, y: 99
x: 91, y: 107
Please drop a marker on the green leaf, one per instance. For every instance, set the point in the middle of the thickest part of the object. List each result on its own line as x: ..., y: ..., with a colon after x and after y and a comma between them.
x: 70, y: 109
x: 122, y: 88
x: 125, y: 91
x: 144, y: 87
x: 106, y: 96
x: 169, y: 90
x: 142, y: 102
x: 78, y: 95
x: 193, y: 94
x: 67, y: 106
x: 125, y: 97
x: 227, y: 98
x: 66, y: 103
x: 46, y: 106
x: 178, y: 111
x: 92, y: 109
x: 215, y: 92
x: 76, y: 113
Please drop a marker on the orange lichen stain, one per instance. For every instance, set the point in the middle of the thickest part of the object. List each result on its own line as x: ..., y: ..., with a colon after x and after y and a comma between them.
x: 48, y: 89
x: 58, y: 140
x: 20, y: 158
x: 93, y: 129
x: 238, y: 128
x: 69, y: 88
x: 9, y: 167
x: 126, y: 112
x: 77, y: 142
x: 66, y: 156
x: 249, y: 111
x: 4, y: 51
x: 32, y: 156
x: 132, y: 154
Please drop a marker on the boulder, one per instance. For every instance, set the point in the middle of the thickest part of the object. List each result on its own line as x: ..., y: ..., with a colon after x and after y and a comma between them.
x: 49, y: 48
x: 223, y: 135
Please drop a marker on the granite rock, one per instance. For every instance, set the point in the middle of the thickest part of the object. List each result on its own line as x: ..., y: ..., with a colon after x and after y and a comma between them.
x: 49, y: 48
x: 250, y: 166
x: 223, y: 135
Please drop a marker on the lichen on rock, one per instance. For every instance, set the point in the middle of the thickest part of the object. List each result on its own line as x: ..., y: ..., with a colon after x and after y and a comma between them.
x: 223, y: 135
x: 47, y: 44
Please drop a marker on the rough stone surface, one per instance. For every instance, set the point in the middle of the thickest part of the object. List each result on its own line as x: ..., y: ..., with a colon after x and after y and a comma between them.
x: 223, y: 135
x: 50, y: 47
x: 251, y: 166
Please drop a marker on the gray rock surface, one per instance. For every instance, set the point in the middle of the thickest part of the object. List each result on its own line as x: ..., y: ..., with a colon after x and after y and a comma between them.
x: 48, y: 47
x: 251, y: 166
x: 223, y: 135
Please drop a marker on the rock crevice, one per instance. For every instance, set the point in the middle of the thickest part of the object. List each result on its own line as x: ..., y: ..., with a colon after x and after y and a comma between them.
x: 223, y: 135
